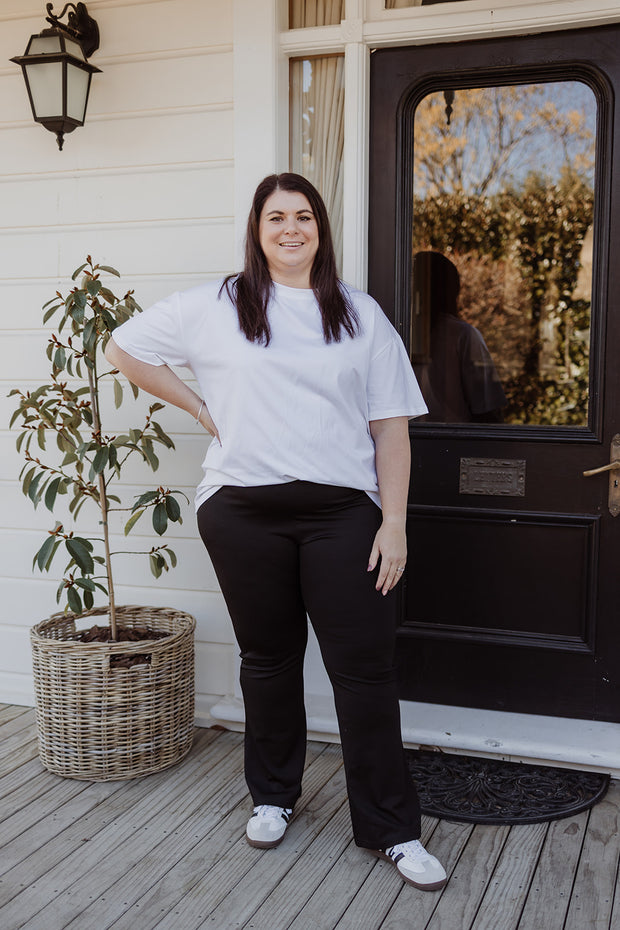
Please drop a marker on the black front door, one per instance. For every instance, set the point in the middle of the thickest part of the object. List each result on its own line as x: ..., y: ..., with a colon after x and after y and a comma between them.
x: 493, y: 245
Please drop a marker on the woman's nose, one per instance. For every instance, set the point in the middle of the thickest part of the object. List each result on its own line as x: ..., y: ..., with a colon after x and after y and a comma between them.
x: 291, y: 225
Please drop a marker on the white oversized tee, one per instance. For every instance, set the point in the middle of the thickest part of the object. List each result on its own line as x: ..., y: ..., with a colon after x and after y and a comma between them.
x: 297, y: 409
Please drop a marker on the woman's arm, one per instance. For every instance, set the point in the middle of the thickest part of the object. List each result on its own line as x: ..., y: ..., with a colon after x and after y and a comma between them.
x: 162, y: 382
x: 393, y: 463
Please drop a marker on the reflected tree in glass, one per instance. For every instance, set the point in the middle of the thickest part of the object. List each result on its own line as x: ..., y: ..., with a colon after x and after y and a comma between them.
x: 504, y: 187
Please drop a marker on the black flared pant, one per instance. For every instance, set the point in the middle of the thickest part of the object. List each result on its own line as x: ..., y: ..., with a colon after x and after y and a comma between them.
x: 283, y: 552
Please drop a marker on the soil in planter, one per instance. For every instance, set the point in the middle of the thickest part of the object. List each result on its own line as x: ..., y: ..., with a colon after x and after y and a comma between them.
x: 135, y: 634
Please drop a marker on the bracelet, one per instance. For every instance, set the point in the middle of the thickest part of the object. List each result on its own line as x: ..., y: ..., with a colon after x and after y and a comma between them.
x: 202, y: 403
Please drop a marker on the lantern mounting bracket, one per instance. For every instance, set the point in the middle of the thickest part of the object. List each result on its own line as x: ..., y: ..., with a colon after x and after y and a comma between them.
x: 79, y: 26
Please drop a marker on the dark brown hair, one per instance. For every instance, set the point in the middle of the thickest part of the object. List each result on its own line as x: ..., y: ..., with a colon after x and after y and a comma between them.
x: 251, y: 289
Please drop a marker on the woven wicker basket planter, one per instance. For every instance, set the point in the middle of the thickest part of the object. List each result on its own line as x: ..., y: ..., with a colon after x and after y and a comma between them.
x: 99, y: 722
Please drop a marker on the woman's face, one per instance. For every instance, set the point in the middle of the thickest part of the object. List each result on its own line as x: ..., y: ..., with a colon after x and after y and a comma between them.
x: 289, y: 237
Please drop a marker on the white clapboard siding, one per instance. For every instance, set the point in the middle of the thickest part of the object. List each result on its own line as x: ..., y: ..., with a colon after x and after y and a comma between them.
x: 146, y: 186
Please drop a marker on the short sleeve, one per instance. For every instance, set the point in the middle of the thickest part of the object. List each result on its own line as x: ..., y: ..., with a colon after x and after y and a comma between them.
x: 392, y: 389
x: 156, y: 335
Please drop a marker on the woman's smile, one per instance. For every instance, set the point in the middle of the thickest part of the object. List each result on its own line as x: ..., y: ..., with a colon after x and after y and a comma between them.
x: 289, y: 237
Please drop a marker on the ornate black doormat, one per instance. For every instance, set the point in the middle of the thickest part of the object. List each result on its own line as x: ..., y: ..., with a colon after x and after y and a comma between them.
x: 467, y: 789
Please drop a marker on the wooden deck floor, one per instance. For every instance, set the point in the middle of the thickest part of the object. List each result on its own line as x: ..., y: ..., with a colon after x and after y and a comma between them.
x: 168, y: 851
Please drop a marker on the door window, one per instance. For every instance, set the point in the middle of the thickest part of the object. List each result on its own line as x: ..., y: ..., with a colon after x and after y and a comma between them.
x: 501, y: 253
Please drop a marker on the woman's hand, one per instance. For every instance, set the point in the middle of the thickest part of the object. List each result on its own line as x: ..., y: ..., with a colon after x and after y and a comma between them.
x: 392, y: 458
x: 390, y: 546
x: 205, y: 419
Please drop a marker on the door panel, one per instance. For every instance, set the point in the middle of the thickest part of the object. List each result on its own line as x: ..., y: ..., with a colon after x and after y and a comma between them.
x: 511, y: 594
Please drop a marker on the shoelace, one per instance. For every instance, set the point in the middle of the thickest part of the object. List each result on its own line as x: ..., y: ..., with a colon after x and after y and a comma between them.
x: 412, y: 850
x: 270, y: 812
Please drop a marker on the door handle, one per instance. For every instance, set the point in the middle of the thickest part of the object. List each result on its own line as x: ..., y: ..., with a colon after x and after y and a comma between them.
x: 614, y: 480
x: 598, y: 471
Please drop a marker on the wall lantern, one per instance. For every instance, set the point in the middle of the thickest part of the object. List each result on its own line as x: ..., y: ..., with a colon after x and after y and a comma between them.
x: 56, y: 72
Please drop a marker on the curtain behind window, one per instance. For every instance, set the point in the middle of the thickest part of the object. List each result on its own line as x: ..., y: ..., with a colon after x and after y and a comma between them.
x: 317, y: 132
x: 303, y: 13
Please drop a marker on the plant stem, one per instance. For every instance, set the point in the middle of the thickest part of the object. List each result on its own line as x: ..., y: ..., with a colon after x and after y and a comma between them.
x: 103, y: 504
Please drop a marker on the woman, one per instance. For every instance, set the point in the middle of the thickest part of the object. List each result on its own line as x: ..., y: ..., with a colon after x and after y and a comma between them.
x: 307, y: 392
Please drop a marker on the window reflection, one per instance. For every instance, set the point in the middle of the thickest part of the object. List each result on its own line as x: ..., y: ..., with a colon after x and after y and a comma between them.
x: 456, y: 374
x: 504, y: 196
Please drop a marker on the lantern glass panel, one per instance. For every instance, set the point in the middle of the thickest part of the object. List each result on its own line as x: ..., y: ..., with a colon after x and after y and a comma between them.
x: 77, y: 92
x: 45, y: 82
x: 75, y: 49
x: 44, y: 45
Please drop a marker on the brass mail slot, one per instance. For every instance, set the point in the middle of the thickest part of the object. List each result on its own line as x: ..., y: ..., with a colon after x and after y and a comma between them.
x: 493, y: 477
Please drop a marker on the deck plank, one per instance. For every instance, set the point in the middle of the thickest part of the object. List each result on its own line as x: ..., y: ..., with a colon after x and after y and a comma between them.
x: 9, y: 712
x: 240, y: 881
x: 334, y: 895
x: 469, y: 879
x: 112, y: 811
x: 203, y: 874
x: 595, y: 882
x: 552, y: 884
x: 19, y: 742
x: 195, y: 806
x: 169, y: 852
x: 507, y: 891
x: 17, y: 777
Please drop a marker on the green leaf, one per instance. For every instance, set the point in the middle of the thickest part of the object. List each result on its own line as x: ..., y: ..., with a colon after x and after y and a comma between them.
x: 156, y: 564
x: 77, y: 315
x: 149, y: 452
x: 78, y: 271
x: 109, y: 270
x: 160, y: 519
x: 107, y: 295
x: 161, y: 436
x: 73, y: 598
x: 90, y: 335
x: 80, y: 299
x: 32, y: 490
x: 101, y: 459
x: 87, y: 584
x: 118, y: 393
x: 146, y: 498
x: 80, y: 555
x: 135, y: 389
x: 107, y: 318
x: 46, y: 553
x: 93, y: 286
x: 28, y: 478
x: 173, y: 557
x: 172, y: 509
x: 60, y: 358
x: 89, y: 600
x: 50, y: 494
x: 50, y: 313
x: 132, y: 521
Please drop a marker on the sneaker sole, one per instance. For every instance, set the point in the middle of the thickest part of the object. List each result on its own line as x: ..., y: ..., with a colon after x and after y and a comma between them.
x: 263, y: 844
x: 427, y: 886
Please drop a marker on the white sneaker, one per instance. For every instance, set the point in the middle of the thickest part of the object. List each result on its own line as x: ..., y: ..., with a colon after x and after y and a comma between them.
x: 267, y: 826
x: 416, y: 865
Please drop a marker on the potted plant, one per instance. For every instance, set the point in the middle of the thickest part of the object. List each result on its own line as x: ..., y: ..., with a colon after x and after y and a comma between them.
x: 116, y: 700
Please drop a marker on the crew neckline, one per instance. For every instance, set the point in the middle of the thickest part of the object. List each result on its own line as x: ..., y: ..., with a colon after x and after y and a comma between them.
x: 299, y: 293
